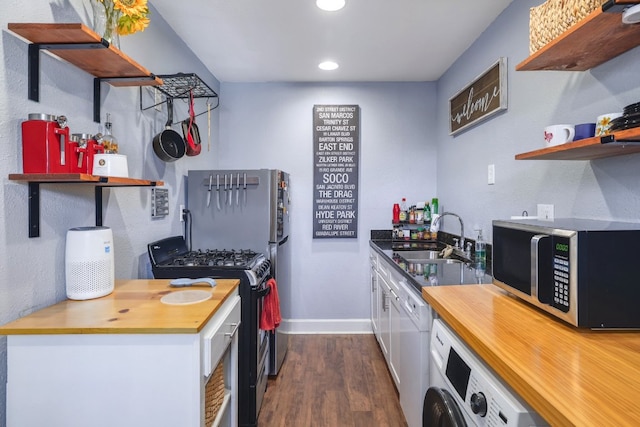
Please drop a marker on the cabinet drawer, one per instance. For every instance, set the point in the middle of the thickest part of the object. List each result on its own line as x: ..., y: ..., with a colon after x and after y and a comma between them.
x: 373, y: 259
x: 218, y: 333
x: 383, y: 269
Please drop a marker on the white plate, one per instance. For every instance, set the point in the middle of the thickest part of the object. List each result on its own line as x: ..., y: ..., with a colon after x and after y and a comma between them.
x: 631, y: 15
x: 186, y: 297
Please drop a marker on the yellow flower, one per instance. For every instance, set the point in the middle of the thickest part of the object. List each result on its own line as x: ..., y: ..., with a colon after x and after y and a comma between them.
x: 131, y: 15
x: 132, y: 24
x: 132, y: 7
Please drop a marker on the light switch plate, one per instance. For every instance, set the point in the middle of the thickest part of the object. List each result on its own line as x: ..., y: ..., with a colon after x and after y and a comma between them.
x: 491, y: 174
x: 545, y: 212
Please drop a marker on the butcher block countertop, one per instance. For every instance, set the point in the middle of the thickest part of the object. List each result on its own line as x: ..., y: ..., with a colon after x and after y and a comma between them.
x: 133, y: 307
x: 570, y: 376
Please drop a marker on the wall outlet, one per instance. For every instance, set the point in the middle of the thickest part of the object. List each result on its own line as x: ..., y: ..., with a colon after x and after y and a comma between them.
x: 491, y: 174
x: 181, y: 213
x: 545, y: 212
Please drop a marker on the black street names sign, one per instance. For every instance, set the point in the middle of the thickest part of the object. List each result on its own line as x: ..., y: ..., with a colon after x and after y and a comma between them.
x: 336, y: 140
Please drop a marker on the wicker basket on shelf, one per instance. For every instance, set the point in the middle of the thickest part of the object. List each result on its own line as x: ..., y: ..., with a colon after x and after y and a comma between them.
x: 554, y: 17
x: 213, y: 395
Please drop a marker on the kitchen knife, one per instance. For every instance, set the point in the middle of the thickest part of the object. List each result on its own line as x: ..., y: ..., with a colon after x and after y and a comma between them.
x: 244, y: 192
x: 218, y: 190
x: 230, y: 188
x: 225, y: 189
x: 237, y: 189
x: 209, y: 190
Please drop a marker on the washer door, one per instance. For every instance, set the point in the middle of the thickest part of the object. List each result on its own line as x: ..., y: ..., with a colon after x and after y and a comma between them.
x: 441, y: 410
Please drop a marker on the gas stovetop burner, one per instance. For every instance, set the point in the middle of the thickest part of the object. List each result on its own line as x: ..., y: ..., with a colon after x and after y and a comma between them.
x: 215, y: 258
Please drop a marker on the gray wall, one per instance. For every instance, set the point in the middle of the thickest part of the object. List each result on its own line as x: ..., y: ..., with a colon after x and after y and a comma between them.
x: 32, y: 270
x: 270, y: 125
x: 601, y: 189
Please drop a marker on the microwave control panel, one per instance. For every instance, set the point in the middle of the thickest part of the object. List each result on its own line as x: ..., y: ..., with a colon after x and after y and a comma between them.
x: 561, y: 276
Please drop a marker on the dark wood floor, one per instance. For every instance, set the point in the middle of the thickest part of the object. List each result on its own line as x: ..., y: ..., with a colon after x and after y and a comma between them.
x: 332, y: 381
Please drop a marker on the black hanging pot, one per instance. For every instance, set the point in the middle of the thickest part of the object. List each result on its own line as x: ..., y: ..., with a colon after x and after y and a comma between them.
x: 169, y: 145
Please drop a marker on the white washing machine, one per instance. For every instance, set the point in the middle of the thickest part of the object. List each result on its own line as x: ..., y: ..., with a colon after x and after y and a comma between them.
x: 465, y: 392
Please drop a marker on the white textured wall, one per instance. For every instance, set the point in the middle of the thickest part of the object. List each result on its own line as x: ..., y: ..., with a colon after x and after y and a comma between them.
x: 32, y: 270
x: 600, y: 189
x: 270, y: 126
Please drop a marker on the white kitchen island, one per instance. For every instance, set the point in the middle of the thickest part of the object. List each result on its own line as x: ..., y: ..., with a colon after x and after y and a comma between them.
x: 126, y: 359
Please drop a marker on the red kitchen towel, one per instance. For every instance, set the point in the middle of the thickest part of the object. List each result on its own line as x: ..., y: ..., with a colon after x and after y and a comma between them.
x: 270, y: 318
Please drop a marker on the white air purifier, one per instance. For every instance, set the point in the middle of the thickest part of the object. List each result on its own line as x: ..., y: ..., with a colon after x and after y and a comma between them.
x: 89, y: 266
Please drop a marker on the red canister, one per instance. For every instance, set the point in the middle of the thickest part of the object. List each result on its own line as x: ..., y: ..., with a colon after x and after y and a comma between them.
x: 93, y: 148
x: 79, y: 148
x: 45, y: 141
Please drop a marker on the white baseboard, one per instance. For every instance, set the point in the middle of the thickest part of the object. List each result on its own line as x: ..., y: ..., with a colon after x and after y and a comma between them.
x: 326, y: 326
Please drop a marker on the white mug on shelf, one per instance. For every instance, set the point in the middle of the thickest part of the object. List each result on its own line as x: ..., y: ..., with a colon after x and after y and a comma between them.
x: 558, y: 134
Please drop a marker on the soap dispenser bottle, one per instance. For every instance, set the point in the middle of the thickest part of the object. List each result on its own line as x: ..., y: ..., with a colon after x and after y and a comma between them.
x: 480, y: 256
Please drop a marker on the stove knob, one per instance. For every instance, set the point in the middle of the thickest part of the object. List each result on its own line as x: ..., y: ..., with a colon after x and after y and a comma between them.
x: 479, y: 404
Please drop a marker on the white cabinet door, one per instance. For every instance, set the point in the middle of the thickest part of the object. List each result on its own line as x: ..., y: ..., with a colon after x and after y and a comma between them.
x: 384, y: 326
x: 374, y: 296
x: 395, y: 349
x: 396, y: 312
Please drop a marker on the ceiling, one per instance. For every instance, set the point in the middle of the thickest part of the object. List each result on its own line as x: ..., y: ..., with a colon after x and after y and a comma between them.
x: 285, y: 40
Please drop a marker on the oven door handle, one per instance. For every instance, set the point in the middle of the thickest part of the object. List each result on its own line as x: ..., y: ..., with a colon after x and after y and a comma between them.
x: 263, y: 292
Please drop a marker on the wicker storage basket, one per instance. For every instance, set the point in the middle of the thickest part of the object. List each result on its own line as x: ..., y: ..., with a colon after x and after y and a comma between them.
x: 554, y: 17
x: 213, y: 394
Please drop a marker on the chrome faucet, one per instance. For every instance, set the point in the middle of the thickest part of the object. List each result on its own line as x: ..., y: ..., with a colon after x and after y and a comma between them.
x: 459, y: 245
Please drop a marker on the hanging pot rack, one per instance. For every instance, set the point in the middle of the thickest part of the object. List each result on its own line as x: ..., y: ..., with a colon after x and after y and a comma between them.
x: 179, y: 86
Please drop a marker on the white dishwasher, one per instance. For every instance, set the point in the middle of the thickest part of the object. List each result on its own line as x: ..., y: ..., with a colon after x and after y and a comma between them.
x: 415, y: 325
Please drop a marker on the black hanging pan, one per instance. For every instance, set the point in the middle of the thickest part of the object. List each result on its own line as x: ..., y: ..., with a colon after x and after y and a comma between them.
x: 168, y: 144
x: 190, y: 131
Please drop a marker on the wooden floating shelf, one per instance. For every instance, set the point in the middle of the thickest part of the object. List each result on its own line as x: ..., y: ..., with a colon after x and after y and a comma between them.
x: 594, y: 40
x: 101, y: 62
x: 616, y: 144
x: 105, y: 181
x: 82, y: 47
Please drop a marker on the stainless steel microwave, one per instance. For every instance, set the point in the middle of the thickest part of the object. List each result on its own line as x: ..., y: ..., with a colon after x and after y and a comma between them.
x: 585, y: 272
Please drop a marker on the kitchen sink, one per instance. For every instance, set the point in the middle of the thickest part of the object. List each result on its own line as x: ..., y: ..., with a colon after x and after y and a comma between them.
x: 430, y: 257
x: 420, y: 255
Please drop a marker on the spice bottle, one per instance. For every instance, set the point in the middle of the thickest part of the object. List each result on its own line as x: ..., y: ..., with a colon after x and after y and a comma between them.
x: 403, y: 210
x: 109, y: 141
x: 420, y: 213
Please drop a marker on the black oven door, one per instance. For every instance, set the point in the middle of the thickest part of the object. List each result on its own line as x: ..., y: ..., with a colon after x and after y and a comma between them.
x: 253, y: 354
x: 263, y: 351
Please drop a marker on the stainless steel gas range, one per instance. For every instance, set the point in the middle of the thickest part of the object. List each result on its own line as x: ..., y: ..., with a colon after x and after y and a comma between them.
x: 171, y: 259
